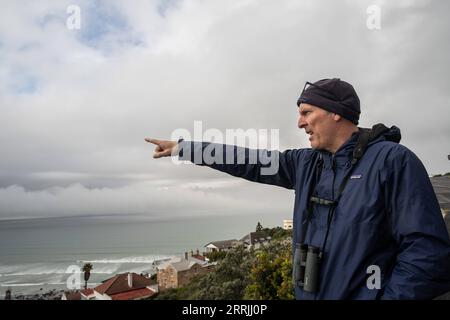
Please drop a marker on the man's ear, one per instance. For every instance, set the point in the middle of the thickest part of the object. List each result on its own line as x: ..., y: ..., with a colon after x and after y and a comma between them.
x: 337, y: 117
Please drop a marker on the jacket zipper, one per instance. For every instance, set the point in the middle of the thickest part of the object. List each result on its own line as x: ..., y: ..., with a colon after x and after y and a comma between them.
x: 334, y: 174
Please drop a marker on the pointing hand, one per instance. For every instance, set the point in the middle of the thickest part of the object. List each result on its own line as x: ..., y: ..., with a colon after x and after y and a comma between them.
x: 164, y: 148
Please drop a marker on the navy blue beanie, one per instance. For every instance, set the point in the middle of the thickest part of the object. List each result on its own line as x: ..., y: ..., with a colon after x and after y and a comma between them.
x: 333, y: 95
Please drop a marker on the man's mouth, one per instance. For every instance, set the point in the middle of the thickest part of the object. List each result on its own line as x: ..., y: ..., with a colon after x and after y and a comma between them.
x: 310, y: 134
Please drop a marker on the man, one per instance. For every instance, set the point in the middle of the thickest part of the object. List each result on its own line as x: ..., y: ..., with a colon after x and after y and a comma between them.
x: 367, y: 224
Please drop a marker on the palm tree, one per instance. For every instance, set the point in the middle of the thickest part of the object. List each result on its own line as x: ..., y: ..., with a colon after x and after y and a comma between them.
x: 87, y: 273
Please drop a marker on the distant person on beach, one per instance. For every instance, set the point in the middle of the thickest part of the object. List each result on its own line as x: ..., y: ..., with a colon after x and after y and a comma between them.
x: 367, y: 224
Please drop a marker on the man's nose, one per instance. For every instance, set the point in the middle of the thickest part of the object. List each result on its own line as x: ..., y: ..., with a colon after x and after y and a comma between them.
x: 301, y: 122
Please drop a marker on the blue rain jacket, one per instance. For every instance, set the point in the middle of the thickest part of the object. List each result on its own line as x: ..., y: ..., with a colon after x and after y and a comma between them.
x: 388, y: 215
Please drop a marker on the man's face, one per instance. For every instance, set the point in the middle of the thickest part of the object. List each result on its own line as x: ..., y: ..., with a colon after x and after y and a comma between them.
x: 318, y: 124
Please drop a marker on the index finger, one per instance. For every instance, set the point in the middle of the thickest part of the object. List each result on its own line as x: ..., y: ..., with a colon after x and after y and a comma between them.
x: 154, y: 141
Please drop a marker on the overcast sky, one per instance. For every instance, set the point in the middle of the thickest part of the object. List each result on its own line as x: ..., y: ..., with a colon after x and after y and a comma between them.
x: 76, y: 105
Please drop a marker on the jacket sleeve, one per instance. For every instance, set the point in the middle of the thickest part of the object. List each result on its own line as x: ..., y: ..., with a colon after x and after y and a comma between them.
x: 263, y: 166
x: 422, y: 268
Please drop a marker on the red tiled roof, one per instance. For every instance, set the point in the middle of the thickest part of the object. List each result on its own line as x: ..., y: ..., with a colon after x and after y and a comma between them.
x: 119, y: 284
x: 105, y: 285
x: 87, y: 292
x: 133, y: 294
x: 73, y: 295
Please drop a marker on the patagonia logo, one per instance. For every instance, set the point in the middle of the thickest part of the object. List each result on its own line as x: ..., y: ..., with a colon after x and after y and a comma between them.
x: 356, y: 176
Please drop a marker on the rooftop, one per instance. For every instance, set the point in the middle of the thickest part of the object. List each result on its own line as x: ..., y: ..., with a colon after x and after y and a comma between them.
x: 133, y: 294
x: 73, y: 295
x: 255, y: 237
x: 223, y: 244
x: 119, y: 284
x: 183, y: 265
x: 194, y: 258
x: 87, y: 292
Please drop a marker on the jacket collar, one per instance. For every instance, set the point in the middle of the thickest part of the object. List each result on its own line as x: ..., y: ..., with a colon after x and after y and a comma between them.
x: 343, y: 156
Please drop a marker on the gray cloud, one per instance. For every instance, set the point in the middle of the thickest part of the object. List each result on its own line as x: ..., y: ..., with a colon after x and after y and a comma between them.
x: 76, y: 105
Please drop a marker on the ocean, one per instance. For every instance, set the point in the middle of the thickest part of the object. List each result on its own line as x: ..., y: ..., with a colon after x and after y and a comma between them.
x: 38, y: 255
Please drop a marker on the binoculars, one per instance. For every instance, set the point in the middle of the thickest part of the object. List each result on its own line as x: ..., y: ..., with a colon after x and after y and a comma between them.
x: 306, y: 267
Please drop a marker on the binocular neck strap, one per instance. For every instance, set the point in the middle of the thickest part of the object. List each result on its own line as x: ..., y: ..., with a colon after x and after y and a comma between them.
x: 317, y: 173
x: 335, y: 202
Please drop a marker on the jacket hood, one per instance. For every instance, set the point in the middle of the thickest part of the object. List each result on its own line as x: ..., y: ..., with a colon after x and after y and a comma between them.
x: 368, y: 136
x: 380, y: 131
x: 392, y: 134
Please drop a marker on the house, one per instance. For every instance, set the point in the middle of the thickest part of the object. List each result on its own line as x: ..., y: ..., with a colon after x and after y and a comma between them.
x: 218, y: 246
x: 288, y: 224
x: 125, y: 286
x: 255, y: 240
x: 178, y: 272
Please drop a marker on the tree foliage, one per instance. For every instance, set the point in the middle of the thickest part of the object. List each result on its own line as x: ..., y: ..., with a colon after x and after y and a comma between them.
x: 87, y: 268
x: 216, y: 255
x: 278, y: 233
x: 271, y: 274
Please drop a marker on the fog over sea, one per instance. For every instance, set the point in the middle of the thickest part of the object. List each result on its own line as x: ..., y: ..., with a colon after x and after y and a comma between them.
x: 35, y: 254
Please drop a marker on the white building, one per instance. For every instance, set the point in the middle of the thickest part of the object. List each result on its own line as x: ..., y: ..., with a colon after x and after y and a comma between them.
x: 288, y: 224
